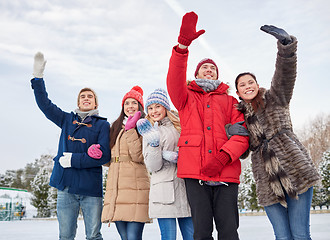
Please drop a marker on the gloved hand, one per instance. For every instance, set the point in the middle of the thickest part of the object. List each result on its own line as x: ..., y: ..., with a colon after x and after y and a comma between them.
x: 148, y: 132
x: 279, y: 33
x: 131, y: 121
x: 214, y: 168
x: 238, y: 129
x: 188, y: 29
x: 94, y: 151
x: 170, y: 156
x: 65, y: 160
x: 39, y: 65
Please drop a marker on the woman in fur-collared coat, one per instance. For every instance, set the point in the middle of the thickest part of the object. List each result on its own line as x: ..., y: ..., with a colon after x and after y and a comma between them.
x: 283, y: 170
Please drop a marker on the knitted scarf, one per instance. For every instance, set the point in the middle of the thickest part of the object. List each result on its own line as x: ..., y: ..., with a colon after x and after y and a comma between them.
x: 208, y: 85
x: 83, y: 115
x: 278, y: 179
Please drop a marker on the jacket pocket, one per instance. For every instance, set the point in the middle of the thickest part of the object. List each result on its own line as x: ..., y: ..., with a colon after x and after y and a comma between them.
x: 190, y: 141
x: 162, y: 192
x: 189, y: 160
x: 89, y: 180
x: 57, y: 173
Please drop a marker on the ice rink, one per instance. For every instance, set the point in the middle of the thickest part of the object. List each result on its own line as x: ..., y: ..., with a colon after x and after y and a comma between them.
x: 251, y: 228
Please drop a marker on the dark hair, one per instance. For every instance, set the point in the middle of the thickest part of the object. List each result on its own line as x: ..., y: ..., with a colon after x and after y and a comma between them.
x: 116, y: 126
x: 243, y: 74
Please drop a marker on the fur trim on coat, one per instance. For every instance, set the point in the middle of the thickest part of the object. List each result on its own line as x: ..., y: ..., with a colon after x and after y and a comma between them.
x: 279, y: 161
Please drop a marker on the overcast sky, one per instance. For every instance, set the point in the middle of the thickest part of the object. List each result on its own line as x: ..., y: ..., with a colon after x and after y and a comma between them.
x: 113, y: 45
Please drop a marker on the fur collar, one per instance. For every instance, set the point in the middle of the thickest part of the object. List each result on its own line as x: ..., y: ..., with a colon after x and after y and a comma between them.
x: 278, y: 178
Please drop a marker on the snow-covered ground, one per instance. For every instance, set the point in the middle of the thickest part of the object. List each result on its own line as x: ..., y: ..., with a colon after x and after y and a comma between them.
x: 251, y: 228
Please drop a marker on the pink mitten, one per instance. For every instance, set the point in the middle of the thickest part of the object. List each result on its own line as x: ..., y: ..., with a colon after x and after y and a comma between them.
x: 94, y: 151
x: 214, y: 168
x: 131, y: 121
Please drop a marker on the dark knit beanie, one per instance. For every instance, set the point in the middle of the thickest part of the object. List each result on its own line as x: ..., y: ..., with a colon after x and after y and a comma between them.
x: 136, y: 93
x: 206, y: 60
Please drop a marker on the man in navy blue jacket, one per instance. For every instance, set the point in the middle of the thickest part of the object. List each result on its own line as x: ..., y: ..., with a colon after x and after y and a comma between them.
x: 76, y: 175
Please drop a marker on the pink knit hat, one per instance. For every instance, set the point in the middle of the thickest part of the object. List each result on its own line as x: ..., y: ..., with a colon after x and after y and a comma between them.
x: 206, y: 60
x: 136, y: 93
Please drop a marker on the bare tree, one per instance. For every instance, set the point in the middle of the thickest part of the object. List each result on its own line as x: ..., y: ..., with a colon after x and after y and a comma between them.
x: 315, y: 137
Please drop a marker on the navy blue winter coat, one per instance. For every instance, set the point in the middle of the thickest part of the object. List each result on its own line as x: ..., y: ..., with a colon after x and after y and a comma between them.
x: 85, y: 175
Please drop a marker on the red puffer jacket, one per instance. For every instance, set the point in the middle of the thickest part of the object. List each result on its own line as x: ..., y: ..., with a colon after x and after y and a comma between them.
x: 203, y: 117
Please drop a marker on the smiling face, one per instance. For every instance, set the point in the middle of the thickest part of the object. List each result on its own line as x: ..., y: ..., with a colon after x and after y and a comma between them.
x: 86, y: 101
x: 156, y: 112
x: 131, y: 106
x: 207, y: 71
x: 247, y: 88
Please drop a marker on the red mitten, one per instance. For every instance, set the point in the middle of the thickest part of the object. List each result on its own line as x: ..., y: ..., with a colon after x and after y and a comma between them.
x: 188, y: 29
x: 131, y: 121
x: 94, y: 151
x: 214, y: 168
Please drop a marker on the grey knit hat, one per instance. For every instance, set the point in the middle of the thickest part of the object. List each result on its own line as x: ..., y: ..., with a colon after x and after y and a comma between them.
x: 158, y: 96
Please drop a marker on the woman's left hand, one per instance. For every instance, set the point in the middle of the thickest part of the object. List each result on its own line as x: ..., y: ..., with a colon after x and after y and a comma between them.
x: 148, y: 132
x: 131, y: 121
x: 279, y: 33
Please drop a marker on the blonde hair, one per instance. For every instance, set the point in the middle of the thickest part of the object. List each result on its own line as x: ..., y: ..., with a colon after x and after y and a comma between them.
x: 174, y: 118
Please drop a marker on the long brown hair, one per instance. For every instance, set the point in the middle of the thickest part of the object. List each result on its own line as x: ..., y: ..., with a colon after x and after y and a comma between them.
x: 117, y: 125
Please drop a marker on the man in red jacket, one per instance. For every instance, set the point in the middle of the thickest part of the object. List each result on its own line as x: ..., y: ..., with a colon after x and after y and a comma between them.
x: 208, y: 161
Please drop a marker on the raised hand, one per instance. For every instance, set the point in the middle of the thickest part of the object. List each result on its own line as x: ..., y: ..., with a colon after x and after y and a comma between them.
x: 39, y: 65
x: 131, y: 121
x: 279, y: 33
x: 148, y: 132
x: 94, y: 151
x: 188, y: 29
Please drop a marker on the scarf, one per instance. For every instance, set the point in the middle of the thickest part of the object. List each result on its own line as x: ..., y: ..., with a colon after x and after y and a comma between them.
x: 208, y: 85
x: 83, y: 115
